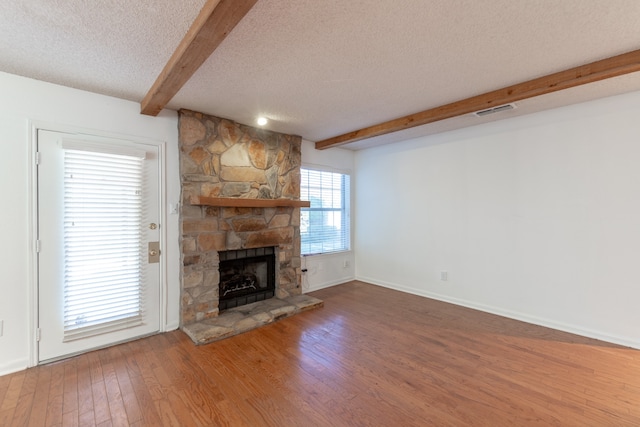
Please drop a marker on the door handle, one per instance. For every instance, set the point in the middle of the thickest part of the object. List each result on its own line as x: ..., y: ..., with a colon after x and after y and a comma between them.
x: 154, y: 252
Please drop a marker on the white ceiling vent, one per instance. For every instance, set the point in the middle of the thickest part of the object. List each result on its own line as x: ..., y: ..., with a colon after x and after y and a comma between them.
x: 492, y: 110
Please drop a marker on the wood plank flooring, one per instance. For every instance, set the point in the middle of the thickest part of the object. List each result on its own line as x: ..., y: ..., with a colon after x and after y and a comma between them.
x: 370, y: 357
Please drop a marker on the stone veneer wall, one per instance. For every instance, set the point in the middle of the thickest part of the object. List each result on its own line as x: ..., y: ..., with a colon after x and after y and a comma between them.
x: 221, y: 158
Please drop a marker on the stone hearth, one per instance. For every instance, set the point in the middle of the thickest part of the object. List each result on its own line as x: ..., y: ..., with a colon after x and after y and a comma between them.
x: 247, y: 317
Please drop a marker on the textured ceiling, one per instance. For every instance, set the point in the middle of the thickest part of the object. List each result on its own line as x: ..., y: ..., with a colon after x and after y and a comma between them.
x: 323, y: 68
x: 113, y: 47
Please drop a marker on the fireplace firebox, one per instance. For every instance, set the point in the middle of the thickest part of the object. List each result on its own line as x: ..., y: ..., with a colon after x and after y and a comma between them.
x: 246, y: 276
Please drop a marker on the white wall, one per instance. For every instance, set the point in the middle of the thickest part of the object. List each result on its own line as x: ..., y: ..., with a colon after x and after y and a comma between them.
x: 23, y: 103
x: 329, y: 269
x: 536, y: 217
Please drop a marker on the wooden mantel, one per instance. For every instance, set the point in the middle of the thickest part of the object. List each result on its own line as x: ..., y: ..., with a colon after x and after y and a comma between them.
x: 235, y: 202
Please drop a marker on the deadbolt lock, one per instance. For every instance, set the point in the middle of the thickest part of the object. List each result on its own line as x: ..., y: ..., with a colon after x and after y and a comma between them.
x: 153, y: 226
x: 154, y: 252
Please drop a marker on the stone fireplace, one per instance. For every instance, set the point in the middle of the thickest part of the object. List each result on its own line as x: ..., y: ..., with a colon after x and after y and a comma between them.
x: 223, y: 159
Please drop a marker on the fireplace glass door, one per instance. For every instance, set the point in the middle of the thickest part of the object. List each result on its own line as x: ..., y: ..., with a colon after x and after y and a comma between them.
x: 246, y: 276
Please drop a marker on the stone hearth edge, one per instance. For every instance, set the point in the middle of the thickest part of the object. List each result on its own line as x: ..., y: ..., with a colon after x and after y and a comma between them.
x: 247, y: 317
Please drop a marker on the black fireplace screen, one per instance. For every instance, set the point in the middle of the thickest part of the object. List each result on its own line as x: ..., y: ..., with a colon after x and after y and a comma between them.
x: 246, y: 276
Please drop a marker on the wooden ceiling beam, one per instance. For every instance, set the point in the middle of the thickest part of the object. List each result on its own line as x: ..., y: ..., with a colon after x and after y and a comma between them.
x: 215, y: 21
x: 599, y: 70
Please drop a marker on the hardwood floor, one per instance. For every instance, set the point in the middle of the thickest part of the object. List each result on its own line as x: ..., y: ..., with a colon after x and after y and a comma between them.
x: 370, y: 357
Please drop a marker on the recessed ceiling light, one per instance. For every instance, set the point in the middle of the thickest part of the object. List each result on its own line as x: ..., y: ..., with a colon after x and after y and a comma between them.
x: 262, y: 121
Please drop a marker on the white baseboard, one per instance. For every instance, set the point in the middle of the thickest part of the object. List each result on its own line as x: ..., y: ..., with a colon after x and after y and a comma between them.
x: 14, y: 366
x: 548, y: 323
x: 318, y: 286
x: 171, y: 327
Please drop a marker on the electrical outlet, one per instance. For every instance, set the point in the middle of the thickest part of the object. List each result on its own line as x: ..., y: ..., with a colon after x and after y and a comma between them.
x: 444, y: 275
x: 345, y: 264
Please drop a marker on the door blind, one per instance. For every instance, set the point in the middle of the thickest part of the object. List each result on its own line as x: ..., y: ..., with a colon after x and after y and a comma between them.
x: 103, y: 247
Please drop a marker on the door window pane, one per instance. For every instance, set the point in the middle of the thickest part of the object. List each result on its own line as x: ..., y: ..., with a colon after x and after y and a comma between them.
x: 103, y: 252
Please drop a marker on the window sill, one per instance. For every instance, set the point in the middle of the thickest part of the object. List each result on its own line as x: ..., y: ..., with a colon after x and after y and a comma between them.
x: 327, y: 254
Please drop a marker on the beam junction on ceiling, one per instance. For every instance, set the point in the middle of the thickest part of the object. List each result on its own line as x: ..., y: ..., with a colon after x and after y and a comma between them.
x: 213, y: 24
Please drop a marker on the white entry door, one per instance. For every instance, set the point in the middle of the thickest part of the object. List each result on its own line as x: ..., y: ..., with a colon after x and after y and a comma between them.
x: 98, y: 212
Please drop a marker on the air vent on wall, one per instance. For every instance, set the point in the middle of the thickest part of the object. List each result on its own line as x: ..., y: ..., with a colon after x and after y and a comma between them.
x: 492, y: 110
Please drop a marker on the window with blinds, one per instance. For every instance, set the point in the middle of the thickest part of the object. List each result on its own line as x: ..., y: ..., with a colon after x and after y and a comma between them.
x: 103, y: 212
x: 325, y: 226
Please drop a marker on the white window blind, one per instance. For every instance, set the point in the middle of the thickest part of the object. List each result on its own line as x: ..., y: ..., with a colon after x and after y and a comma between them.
x: 103, y: 211
x: 325, y: 226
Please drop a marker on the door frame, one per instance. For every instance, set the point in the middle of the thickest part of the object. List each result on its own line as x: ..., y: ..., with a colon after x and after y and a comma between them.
x: 36, y: 126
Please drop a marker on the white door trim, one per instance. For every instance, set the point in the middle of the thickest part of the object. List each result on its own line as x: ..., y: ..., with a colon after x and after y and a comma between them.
x: 35, y: 126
